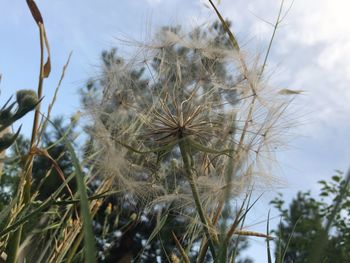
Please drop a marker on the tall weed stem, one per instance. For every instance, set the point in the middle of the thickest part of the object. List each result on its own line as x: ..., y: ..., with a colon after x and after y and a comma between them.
x: 187, y: 160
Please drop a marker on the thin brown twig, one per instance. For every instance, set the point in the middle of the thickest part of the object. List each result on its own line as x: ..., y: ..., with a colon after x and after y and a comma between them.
x: 180, y: 248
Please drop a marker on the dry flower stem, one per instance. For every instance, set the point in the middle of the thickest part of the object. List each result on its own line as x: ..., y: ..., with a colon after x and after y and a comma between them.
x: 183, y: 144
x: 204, y: 245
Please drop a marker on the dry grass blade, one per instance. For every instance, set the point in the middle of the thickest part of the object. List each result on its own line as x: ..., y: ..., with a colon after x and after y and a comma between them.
x: 251, y: 233
x: 278, y: 21
x: 205, y: 244
x: 44, y: 123
x: 45, y: 153
x: 227, y: 29
x: 181, y: 249
x: 47, y: 66
x: 240, y: 216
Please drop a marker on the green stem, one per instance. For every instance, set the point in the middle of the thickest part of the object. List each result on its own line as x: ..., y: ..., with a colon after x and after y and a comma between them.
x: 13, y: 246
x: 183, y: 144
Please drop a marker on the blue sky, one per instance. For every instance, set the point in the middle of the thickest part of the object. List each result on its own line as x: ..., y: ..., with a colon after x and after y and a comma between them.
x: 311, y: 52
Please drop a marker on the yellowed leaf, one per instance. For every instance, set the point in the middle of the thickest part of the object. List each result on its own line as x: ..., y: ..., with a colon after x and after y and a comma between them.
x: 47, y: 68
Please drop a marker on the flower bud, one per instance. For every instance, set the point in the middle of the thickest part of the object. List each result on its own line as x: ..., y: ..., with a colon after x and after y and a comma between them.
x: 6, y: 141
x: 29, y: 102
x: 5, y: 116
x: 27, y: 99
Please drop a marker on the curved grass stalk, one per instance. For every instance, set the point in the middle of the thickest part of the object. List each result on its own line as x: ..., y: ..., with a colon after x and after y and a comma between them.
x: 15, y: 239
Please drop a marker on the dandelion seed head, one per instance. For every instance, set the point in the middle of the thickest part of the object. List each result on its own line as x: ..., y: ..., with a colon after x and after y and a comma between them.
x: 177, y: 86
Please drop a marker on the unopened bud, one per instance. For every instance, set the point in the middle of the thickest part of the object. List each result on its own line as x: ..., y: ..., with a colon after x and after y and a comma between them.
x: 6, y: 141
x: 27, y: 99
x: 5, y: 116
x: 22, y: 94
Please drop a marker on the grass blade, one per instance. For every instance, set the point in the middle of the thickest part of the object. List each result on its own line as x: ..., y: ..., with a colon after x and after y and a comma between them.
x: 269, y: 260
x: 89, y: 239
x: 289, y: 239
x: 160, y: 224
x: 181, y: 249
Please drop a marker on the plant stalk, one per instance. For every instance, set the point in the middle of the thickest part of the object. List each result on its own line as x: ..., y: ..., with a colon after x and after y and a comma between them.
x: 185, y: 153
x: 16, y: 237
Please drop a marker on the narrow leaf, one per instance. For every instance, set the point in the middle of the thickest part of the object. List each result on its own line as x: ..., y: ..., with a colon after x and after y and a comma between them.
x: 155, y: 232
x: 181, y: 249
x: 47, y: 68
x: 89, y: 240
x: 269, y: 259
x: 289, y: 239
x: 232, y: 38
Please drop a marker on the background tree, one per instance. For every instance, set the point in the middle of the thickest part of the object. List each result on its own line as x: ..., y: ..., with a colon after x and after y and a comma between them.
x: 305, y: 220
x: 45, y: 178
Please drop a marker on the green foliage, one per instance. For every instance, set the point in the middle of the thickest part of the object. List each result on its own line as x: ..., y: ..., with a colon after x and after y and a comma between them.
x: 309, y: 216
x: 45, y: 179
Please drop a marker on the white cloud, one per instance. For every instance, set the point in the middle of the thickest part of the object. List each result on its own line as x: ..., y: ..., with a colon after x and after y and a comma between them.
x: 313, y: 42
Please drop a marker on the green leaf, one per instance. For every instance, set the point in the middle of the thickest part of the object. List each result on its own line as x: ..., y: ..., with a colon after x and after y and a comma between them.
x: 89, y: 239
x: 336, y: 178
x: 289, y: 239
